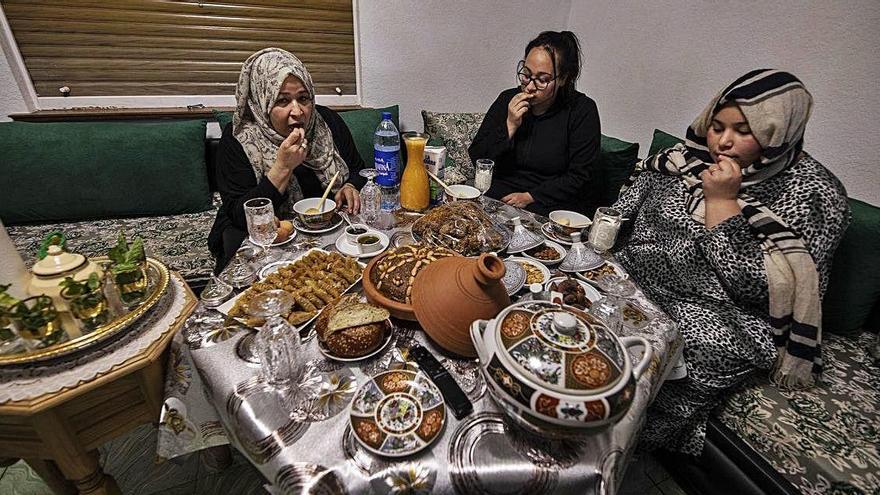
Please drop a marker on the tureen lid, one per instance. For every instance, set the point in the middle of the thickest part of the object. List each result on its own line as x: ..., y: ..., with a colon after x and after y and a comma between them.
x: 58, y: 262
x: 559, y: 348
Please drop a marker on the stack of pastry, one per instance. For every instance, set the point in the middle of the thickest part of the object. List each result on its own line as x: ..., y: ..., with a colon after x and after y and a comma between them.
x: 348, y: 328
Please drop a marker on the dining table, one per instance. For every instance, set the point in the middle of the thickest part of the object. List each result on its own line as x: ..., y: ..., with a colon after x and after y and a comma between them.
x: 214, y: 396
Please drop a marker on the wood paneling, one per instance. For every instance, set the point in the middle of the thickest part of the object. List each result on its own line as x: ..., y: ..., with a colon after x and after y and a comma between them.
x: 176, y: 47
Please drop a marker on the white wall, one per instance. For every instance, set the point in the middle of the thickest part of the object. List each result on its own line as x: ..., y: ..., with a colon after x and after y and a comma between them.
x: 446, y: 55
x: 647, y: 64
x: 657, y: 64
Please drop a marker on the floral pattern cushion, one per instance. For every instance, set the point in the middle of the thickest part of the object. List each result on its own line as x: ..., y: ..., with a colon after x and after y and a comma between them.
x: 457, y: 130
x: 825, y: 440
x: 180, y: 241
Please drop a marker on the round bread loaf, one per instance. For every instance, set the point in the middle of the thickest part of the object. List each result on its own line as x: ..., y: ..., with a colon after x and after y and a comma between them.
x: 357, y: 341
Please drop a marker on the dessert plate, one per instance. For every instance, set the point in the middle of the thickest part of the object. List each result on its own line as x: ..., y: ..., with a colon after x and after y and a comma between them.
x: 397, y: 413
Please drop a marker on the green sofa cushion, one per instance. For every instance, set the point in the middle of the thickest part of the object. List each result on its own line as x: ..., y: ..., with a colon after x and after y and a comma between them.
x: 663, y: 140
x: 615, y: 163
x: 222, y: 118
x: 85, y: 170
x: 854, y: 286
x: 362, y: 123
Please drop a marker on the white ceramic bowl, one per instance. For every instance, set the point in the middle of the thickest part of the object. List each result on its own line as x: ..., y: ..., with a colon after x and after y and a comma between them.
x: 462, y: 192
x: 558, y: 248
x: 566, y: 222
x: 352, y: 237
x: 315, y: 220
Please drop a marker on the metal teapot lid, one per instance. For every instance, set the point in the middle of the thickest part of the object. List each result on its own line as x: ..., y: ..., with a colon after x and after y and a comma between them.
x: 58, y: 262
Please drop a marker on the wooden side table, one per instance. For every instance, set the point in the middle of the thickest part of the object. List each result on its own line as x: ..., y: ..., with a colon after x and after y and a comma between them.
x: 58, y: 434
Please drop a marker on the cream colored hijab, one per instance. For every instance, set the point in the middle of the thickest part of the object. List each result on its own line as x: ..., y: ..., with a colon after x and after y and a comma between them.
x: 261, y: 78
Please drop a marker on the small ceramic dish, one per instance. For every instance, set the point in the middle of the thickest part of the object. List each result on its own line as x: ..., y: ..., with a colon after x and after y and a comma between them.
x: 590, y: 292
x: 547, y: 230
x: 462, y: 192
x: 346, y: 247
x: 565, y: 222
x: 535, y: 269
x: 522, y: 239
x: 606, y: 268
x: 335, y: 221
x: 354, y: 231
x: 307, y: 212
x: 514, y: 277
x: 397, y: 413
x: 534, y: 254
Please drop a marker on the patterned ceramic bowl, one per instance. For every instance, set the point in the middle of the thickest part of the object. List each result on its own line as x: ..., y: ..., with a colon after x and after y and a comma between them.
x: 558, y: 364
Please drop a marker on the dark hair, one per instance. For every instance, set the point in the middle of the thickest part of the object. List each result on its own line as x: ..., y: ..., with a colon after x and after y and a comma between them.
x: 565, y: 51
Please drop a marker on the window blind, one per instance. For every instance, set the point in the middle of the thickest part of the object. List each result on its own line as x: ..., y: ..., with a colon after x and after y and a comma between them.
x: 176, y: 47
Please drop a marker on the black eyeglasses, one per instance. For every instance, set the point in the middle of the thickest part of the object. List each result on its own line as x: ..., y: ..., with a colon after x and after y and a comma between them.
x: 524, y: 77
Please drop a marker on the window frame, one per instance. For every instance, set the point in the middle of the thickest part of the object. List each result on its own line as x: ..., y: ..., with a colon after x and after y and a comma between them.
x: 35, y: 103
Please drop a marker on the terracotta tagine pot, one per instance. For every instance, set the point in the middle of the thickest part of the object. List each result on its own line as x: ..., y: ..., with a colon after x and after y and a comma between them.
x: 452, y: 292
x: 555, y: 368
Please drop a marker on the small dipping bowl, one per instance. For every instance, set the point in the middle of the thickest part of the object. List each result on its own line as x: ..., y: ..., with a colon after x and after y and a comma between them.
x: 355, y: 230
x: 566, y: 222
x: 315, y: 220
x: 462, y: 192
x: 368, y: 243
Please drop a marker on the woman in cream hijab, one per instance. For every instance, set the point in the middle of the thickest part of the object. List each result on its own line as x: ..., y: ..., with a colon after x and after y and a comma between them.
x: 280, y: 145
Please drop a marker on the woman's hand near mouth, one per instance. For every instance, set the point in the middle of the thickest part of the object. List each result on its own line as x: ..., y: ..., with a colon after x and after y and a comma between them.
x: 291, y: 154
x: 721, y: 183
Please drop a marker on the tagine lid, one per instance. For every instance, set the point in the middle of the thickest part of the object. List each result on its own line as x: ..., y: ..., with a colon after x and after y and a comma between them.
x: 559, y: 348
x: 57, y: 262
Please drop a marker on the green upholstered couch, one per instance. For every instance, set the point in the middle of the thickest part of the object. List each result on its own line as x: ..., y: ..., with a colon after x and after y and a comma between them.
x: 825, y: 440
x: 153, y: 179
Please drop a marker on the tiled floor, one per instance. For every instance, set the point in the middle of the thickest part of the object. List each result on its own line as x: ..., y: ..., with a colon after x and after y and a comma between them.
x: 131, y: 461
x: 646, y: 476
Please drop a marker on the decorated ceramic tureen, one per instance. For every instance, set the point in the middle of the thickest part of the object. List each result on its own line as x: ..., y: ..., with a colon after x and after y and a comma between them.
x: 556, y: 366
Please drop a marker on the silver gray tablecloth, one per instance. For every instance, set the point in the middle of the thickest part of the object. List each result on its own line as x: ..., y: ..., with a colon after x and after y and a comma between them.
x: 480, y: 452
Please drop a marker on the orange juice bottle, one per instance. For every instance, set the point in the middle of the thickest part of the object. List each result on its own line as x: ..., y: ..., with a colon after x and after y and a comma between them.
x: 415, y: 193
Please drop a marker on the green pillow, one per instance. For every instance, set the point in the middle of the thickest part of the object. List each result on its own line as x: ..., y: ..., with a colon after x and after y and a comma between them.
x: 362, y: 123
x: 854, y: 286
x: 613, y: 166
x: 663, y: 140
x: 222, y: 118
x: 90, y: 170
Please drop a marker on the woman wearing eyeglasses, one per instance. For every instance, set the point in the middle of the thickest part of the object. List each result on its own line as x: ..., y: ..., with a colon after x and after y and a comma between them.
x: 542, y: 135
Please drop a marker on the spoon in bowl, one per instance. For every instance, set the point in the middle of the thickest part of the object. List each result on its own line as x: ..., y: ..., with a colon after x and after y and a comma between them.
x: 320, y: 208
x: 443, y: 185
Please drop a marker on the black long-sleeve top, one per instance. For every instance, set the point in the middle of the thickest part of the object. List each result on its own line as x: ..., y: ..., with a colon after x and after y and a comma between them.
x: 550, y: 155
x: 237, y: 183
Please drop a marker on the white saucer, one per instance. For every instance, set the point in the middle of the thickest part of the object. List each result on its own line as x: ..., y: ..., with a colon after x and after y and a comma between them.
x: 351, y: 250
x: 335, y: 221
x: 276, y: 244
x: 547, y: 230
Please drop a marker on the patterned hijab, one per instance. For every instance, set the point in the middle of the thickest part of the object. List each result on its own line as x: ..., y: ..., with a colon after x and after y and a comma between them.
x: 777, y: 107
x: 259, y: 83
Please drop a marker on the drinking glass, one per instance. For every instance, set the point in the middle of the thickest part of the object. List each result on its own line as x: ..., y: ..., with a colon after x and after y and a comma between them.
x: 282, y: 358
x: 483, y: 174
x: 39, y: 323
x: 603, y: 232
x: 260, y: 217
x: 371, y: 199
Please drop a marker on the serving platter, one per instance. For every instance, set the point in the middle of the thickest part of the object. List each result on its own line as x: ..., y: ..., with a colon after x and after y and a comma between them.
x: 157, y: 284
x: 226, y: 308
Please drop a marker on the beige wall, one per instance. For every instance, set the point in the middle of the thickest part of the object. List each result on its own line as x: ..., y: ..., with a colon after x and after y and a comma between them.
x: 647, y: 64
x: 657, y: 64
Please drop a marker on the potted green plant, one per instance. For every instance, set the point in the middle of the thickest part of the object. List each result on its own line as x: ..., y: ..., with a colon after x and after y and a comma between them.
x: 86, y: 300
x: 128, y: 268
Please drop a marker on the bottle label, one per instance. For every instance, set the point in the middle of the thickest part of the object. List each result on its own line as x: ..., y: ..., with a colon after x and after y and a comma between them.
x: 386, y: 166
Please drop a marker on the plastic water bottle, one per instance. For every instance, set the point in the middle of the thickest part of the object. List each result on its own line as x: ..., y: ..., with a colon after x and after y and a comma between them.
x: 386, y: 153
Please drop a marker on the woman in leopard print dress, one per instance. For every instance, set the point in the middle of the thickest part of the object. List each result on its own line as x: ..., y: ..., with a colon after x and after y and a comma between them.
x: 698, y: 251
